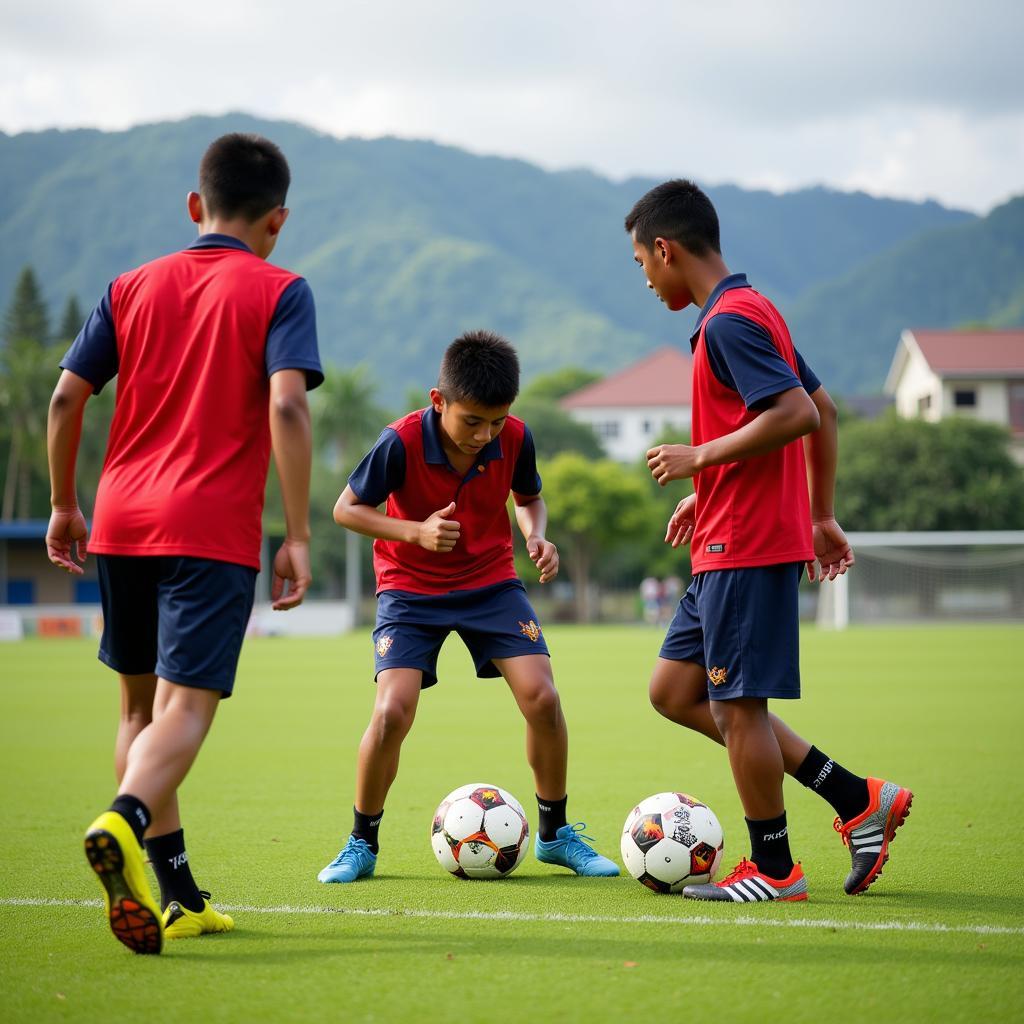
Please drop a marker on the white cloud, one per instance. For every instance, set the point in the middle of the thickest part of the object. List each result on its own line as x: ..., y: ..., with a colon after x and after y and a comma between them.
x: 912, y: 99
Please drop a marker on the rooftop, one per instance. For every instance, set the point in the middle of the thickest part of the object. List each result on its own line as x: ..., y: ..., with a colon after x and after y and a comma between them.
x: 662, y: 378
x: 949, y: 353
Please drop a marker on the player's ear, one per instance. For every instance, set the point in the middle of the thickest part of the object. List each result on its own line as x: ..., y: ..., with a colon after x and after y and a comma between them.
x: 663, y: 250
x: 195, y: 207
x: 276, y: 220
x: 437, y: 400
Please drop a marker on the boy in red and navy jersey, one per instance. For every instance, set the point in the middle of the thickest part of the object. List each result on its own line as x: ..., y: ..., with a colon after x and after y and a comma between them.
x: 203, y: 343
x: 752, y: 526
x: 443, y: 559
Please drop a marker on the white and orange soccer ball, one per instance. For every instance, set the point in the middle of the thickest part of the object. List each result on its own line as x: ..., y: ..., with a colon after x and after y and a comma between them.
x: 480, y: 831
x: 670, y: 840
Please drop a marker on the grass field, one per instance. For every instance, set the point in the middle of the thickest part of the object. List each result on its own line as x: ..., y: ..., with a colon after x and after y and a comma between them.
x: 939, y: 937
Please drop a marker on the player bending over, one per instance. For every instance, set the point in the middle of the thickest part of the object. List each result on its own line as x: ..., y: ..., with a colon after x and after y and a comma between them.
x: 443, y: 559
x: 733, y: 642
x: 213, y: 349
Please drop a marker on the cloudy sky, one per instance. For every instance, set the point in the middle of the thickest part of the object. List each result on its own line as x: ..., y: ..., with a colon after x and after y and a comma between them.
x: 910, y: 98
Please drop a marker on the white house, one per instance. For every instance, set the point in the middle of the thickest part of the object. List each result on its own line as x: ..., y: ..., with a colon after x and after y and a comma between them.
x: 978, y: 373
x: 628, y: 410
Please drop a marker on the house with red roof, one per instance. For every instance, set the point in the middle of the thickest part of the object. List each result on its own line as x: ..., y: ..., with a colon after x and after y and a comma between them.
x: 628, y: 410
x: 978, y: 373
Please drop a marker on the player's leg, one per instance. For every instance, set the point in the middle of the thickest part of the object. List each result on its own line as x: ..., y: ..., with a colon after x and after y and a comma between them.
x: 405, y: 659
x: 530, y: 679
x: 165, y: 838
x: 750, y: 652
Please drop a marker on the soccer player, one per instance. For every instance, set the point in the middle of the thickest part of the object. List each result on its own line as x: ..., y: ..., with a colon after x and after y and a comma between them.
x: 443, y: 559
x: 213, y: 349
x: 751, y: 526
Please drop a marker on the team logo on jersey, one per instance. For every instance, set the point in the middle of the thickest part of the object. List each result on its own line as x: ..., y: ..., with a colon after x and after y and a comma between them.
x: 530, y: 629
x: 717, y: 676
x: 384, y: 645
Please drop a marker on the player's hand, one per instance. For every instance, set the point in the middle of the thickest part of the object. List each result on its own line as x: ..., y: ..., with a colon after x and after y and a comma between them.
x: 832, y: 552
x: 291, y: 565
x: 438, y: 532
x: 669, y: 462
x: 544, y: 555
x: 65, y: 539
x: 682, y: 522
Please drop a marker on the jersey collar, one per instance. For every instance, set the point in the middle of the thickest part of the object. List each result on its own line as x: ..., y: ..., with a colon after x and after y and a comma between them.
x: 727, y: 283
x: 214, y: 241
x: 433, y: 450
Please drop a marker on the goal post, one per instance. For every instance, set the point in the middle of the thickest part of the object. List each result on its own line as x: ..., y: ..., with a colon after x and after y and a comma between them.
x: 968, y: 576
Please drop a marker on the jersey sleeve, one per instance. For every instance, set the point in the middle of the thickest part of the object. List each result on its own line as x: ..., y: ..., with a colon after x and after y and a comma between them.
x: 291, y: 339
x: 808, y: 377
x: 93, y: 354
x: 743, y: 358
x: 381, y: 471
x: 525, y: 478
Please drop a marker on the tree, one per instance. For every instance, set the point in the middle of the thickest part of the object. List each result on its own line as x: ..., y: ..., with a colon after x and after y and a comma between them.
x: 897, y: 474
x: 555, y: 431
x: 595, y: 508
x: 71, y: 321
x: 27, y: 374
x: 559, y: 383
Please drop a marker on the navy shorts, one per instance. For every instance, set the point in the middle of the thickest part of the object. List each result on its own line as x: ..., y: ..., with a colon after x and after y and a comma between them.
x: 493, y: 622
x: 743, y: 626
x: 182, y: 618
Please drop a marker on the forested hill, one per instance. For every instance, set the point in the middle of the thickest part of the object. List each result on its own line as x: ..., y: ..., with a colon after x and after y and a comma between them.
x: 407, y: 243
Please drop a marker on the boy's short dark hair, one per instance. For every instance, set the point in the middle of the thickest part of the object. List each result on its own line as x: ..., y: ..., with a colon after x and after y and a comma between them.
x: 243, y: 175
x: 677, y: 210
x: 479, y: 367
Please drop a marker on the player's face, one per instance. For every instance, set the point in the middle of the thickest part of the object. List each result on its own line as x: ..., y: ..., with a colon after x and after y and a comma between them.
x: 662, y: 278
x: 468, y: 426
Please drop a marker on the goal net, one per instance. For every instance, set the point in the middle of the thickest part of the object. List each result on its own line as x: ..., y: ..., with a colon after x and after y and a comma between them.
x: 928, y: 577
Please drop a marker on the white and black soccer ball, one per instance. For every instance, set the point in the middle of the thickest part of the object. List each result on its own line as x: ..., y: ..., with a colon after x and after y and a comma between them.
x: 671, y: 840
x: 480, y: 831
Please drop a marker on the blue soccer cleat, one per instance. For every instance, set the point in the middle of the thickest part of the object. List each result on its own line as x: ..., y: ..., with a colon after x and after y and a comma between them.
x: 356, y: 860
x: 569, y: 850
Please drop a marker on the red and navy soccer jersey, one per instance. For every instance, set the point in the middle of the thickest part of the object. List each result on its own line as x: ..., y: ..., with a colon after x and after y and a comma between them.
x: 754, y: 512
x: 193, y: 339
x: 408, y: 469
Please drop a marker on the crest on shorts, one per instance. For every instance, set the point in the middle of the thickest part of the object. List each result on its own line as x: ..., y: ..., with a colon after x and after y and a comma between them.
x: 384, y: 645
x: 717, y: 676
x: 530, y: 629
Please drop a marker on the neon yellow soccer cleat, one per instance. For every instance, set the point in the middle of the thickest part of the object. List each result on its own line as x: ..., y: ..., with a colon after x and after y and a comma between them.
x: 181, y: 923
x: 116, y: 857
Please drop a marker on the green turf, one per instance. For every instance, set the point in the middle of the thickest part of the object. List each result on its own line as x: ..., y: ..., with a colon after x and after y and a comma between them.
x: 268, y: 804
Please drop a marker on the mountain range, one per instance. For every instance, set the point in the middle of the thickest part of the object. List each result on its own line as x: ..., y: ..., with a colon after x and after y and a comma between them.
x: 407, y: 243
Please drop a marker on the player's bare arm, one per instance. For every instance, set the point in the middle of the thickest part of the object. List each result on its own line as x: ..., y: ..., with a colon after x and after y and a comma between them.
x: 67, y: 533
x: 532, y: 517
x: 437, y: 532
x: 291, y: 437
x: 833, y: 554
x: 789, y: 415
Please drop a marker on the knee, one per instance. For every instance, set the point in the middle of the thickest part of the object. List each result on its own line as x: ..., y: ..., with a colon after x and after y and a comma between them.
x: 392, y: 719
x: 661, y: 698
x: 543, y: 706
x: 137, y: 715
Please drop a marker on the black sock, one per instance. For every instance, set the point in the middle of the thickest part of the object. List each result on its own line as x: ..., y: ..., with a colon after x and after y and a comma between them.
x: 846, y: 792
x: 769, y: 846
x: 170, y: 862
x: 135, y: 812
x: 552, y: 817
x: 366, y: 826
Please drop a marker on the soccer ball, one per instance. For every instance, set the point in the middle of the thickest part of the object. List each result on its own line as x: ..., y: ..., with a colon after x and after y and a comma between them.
x: 671, y: 840
x: 479, y: 831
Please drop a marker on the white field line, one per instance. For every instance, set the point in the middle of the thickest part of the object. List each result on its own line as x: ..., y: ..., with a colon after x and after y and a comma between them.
x: 473, y: 915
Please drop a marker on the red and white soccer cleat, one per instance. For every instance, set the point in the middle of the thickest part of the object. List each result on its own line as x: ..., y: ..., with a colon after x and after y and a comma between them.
x: 869, y: 834
x: 746, y: 884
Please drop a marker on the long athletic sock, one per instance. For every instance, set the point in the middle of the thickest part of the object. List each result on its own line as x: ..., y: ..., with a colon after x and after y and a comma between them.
x: 551, y: 815
x: 170, y: 862
x: 769, y: 846
x: 846, y: 792
x: 366, y: 826
x: 135, y: 812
